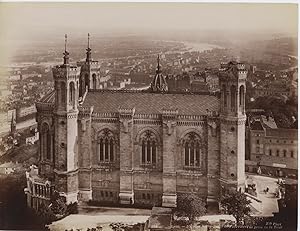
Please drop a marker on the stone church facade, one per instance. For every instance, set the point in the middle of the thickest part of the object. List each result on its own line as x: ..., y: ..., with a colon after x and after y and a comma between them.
x: 140, y: 147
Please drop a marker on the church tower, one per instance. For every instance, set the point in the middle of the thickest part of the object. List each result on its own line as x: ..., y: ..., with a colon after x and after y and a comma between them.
x: 66, y: 84
x: 232, y: 79
x: 90, y: 72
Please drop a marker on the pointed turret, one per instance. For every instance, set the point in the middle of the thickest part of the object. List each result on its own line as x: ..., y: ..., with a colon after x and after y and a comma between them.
x: 159, y: 82
x: 88, y: 50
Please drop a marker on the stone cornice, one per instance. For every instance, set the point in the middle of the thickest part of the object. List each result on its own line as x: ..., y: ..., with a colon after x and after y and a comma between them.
x: 105, y: 120
x: 233, y: 120
x: 58, y: 172
x: 191, y: 123
x: 190, y: 173
x: 145, y: 121
x: 85, y: 111
x: 40, y: 106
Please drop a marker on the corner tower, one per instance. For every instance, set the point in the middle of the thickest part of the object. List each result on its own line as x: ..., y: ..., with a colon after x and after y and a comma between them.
x: 90, y: 72
x: 232, y: 78
x: 66, y: 84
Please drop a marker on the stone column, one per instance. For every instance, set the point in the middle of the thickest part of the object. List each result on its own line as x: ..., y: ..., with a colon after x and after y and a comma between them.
x: 126, y: 194
x: 169, y: 118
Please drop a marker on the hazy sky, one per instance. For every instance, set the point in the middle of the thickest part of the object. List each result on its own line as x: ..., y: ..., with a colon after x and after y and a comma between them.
x: 25, y: 21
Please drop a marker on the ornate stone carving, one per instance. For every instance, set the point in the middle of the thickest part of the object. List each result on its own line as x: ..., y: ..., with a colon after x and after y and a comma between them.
x: 212, y: 128
x: 125, y: 125
x: 170, y: 126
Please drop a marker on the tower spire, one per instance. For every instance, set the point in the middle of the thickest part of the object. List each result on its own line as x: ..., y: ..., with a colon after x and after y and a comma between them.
x: 66, y: 39
x: 88, y: 50
x: 66, y: 53
x: 158, y: 66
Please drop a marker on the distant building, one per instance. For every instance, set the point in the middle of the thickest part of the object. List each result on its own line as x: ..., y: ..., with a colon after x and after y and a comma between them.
x: 32, y: 139
x: 274, y: 150
x: 6, y: 120
x: 14, y: 77
x: 9, y: 167
x: 199, y: 82
x: 26, y: 111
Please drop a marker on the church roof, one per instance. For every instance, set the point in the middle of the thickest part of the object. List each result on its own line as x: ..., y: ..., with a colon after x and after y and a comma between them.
x: 49, y: 97
x: 105, y: 101
x: 256, y: 125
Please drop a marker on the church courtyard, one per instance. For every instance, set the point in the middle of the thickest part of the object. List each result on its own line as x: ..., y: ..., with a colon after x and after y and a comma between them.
x: 268, y: 199
x: 93, y: 216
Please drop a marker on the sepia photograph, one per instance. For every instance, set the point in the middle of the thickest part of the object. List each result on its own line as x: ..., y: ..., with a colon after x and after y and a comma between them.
x: 148, y: 116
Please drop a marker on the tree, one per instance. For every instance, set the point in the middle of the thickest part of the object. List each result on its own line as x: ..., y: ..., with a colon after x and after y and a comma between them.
x: 237, y: 205
x: 190, y: 206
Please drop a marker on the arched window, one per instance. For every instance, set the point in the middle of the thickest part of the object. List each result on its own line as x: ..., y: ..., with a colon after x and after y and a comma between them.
x: 94, y: 81
x: 81, y: 86
x: 192, y: 150
x: 45, y: 142
x: 72, y: 94
x: 224, y: 95
x: 233, y: 97
x: 148, y: 148
x: 242, y: 95
x: 242, y: 98
x: 106, y: 146
x: 87, y: 82
x: 63, y: 92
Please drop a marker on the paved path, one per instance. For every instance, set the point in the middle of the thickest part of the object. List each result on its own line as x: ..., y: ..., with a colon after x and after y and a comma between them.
x: 100, y: 216
x: 269, y: 201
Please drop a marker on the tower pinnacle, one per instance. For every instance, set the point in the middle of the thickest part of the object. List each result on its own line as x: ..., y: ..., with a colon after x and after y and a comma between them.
x: 88, y: 50
x: 66, y: 53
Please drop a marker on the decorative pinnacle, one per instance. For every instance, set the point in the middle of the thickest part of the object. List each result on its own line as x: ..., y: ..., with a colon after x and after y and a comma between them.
x: 88, y: 41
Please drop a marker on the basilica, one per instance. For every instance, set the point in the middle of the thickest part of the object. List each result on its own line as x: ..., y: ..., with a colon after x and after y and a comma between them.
x: 138, y: 147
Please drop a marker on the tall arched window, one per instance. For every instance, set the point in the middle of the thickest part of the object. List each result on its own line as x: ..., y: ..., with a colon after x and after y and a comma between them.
x: 106, y: 146
x: 45, y: 142
x: 242, y: 97
x: 148, y: 144
x: 81, y: 86
x: 94, y: 81
x: 224, y: 95
x: 72, y: 94
x: 192, y: 150
x: 87, y: 82
x: 233, y: 97
x: 63, y: 92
